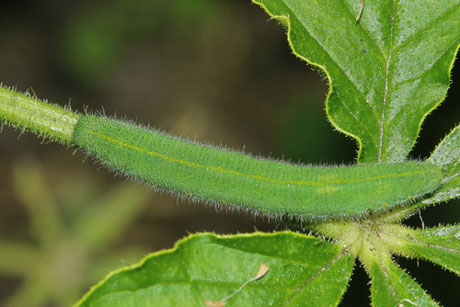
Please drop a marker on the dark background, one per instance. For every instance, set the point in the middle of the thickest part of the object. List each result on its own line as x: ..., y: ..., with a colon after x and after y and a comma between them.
x: 216, y: 71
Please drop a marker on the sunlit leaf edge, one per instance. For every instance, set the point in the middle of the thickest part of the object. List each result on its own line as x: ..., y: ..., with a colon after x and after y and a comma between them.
x: 178, y: 244
x: 287, y: 23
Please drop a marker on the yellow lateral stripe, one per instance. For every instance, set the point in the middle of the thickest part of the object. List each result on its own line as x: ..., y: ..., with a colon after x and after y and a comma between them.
x: 262, y: 178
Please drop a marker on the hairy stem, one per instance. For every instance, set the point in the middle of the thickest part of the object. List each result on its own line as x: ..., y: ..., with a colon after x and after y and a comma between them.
x: 42, y: 118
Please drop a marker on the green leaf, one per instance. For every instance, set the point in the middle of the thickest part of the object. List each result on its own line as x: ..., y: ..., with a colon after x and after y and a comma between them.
x: 446, y: 156
x: 30, y: 186
x: 392, y: 286
x: 387, y: 72
x: 209, y: 268
x: 440, y: 245
x: 16, y: 258
x: 104, y: 222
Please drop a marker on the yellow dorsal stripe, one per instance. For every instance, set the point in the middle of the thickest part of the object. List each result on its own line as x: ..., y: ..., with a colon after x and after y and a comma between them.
x: 258, y: 177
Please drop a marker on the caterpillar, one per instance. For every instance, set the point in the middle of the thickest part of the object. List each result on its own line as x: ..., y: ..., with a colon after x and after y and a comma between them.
x: 234, y: 179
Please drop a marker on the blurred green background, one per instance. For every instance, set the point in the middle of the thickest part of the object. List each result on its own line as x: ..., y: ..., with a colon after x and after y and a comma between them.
x: 218, y: 71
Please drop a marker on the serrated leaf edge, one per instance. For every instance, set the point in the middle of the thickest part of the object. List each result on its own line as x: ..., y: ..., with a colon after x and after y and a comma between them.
x: 287, y: 21
x: 183, y: 241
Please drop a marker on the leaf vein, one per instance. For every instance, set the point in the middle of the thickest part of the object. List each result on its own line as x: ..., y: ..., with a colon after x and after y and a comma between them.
x: 379, y: 48
x: 387, y: 73
x: 308, y: 281
x: 427, y: 27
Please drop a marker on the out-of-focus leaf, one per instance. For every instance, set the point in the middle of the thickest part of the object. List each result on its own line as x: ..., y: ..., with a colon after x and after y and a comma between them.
x: 29, y: 183
x: 99, y: 225
x: 206, y: 268
x: 16, y: 258
x: 386, y: 72
x: 70, y: 251
x: 94, y: 40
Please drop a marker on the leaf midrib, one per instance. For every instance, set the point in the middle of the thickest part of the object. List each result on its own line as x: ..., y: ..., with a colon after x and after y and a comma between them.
x: 385, y: 94
x: 308, y: 281
x: 410, y: 38
x: 387, y: 61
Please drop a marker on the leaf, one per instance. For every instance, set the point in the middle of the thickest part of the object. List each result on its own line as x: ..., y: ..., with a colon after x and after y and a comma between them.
x: 75, y: 238
x: 447, y: 155
x: 207, y: 268
x: 392, y: 286
x: 16, y: 258
x: 30, y: 186
x: 100, y: 225
x: 387, y: 72
x: 440, y: 245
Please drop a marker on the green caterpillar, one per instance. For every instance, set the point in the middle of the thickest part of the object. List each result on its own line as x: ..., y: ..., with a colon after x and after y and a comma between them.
x: 233, y: 179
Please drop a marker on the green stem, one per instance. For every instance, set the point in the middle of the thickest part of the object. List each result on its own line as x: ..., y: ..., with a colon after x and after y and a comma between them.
x: 29, y: 113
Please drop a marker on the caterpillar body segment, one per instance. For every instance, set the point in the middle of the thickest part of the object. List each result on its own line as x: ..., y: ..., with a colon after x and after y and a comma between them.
x: 234, y: 179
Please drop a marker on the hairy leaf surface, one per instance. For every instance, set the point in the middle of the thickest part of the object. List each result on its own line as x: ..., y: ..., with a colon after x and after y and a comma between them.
x: 392, y: 286
x: 204, y: 269
x: 447, y: 156
x: 440, y: 245
x: 386, y: 72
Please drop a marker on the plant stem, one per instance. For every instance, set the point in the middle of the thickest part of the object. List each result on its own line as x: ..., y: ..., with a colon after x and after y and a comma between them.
x: 29, y: 113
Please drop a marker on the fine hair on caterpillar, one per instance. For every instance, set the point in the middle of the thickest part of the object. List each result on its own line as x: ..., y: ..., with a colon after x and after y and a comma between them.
x: 229, y: 179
